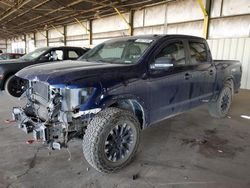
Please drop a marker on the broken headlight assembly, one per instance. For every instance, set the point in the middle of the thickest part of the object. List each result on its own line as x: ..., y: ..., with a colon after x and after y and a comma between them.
x: 52, y: 114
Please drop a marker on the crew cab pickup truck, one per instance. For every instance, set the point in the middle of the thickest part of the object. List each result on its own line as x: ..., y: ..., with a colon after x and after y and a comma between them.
x: 8, y: 68
x: 121, y: 87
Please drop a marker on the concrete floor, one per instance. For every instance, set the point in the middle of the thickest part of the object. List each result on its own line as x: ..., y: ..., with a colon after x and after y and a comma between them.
x: 190, y: 150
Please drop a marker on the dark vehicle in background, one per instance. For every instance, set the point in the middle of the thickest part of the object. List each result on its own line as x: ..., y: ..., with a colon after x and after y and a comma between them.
x: 121, y: 87
x: 14, y: 86
x: 8, y: 56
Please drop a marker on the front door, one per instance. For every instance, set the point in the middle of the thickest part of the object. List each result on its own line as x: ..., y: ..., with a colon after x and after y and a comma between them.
x: 169, y: 88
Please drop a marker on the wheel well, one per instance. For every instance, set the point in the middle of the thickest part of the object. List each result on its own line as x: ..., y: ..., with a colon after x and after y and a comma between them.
x: 133, y: 106
x: 6, y: 77
x: 230, y: 81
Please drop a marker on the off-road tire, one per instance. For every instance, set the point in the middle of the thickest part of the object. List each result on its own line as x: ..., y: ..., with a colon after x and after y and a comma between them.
x: 97, y: 132
x: 10, y: 90
x: 216, y: 108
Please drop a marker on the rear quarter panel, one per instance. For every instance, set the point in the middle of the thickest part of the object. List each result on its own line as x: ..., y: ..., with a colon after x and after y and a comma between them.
x: 227, y: 69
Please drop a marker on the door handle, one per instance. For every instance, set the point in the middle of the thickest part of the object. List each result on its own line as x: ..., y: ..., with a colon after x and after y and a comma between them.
x: 187, y: 76
x: 211, y: 72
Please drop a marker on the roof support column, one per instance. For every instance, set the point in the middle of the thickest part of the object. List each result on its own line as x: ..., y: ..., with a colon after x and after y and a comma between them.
x: 65, y: 35
x: 130, y: 30
x: 62, y: 33
x: 6, y: 45
x: 206, y: 13
x: 34, y: 38
x: 90, y: 33
x: 221, y: 7
x: 25, y: 44
x: 131, y: 22
x: 47, y: 38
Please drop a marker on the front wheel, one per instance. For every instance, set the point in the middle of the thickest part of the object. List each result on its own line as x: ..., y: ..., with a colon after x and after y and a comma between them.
x: 111, y: 139
x: 221, y: 106
x: 15, y: 86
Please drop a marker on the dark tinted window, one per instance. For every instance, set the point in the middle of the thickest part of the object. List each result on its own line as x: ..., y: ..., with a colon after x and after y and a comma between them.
x: 198, y: 52
x: 175, y: 52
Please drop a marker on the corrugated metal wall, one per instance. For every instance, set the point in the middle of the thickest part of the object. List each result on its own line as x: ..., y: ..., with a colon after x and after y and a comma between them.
x: 234, y: 49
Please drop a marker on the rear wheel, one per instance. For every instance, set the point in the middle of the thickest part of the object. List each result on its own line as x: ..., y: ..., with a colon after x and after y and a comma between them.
x: 111, y: 139
x: 15, y: 86
x: 221, y: 106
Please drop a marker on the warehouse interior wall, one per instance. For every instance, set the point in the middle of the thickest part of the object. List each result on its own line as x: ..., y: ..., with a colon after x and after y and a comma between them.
x: 228, y: 34
x: 234, y: 49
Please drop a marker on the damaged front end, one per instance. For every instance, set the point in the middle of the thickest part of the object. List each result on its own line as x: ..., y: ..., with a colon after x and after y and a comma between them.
x: 55, y: 115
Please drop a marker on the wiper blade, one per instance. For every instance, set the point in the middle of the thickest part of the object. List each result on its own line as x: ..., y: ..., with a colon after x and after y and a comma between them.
x: 95, y: 60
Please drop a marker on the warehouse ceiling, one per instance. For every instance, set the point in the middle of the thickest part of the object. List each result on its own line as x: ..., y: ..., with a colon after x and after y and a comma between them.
x: 19, y: 17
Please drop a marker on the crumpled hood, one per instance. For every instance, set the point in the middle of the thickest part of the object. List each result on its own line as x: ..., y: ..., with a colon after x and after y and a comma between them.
x: 68, y: 72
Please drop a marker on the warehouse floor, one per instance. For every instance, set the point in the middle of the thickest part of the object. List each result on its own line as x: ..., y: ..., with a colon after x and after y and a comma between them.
x: 190, y: 150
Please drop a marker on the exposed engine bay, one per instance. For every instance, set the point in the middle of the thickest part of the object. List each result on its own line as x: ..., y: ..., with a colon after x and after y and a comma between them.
x: 53, y: 114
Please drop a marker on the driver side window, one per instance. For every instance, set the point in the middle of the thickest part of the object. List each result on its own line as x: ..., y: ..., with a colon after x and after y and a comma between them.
x: 175, y: 52
x: 53, y: 55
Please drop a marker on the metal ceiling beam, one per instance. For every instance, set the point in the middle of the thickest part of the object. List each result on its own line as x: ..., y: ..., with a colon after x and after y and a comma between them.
x: 85, y: 18
x: 51, y: 12
x: 33, y: 23
x: 67, y: 16
x: 68, y: 21
x: 25, y: 12
x: 58, y: 18
x: 8, y: 32
x: 41, y: 33
x: 13, y: 9
x: 58, y: 30
x: 50, y: 9
x: 81, y: 24
x: 7, y: 4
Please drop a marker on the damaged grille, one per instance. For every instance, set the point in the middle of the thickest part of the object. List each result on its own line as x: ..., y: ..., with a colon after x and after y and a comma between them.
x: 41, y: 89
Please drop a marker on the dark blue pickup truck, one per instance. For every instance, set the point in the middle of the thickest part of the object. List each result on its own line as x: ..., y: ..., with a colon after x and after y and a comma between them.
x: 121, y: 87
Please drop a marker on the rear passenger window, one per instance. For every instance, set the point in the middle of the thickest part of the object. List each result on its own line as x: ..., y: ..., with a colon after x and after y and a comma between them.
x: 72, y: 54
x: 175, y: 52
x: 198, y: 52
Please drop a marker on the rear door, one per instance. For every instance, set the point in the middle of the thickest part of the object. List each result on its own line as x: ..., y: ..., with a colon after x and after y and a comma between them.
x: 169, y: 89
x: 203, y: 71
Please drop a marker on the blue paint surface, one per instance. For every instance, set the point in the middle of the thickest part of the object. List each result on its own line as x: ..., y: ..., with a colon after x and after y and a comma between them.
x: 161, y: 94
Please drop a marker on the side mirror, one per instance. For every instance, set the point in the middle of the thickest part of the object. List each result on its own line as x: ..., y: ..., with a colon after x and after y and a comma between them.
x: 162, y: 63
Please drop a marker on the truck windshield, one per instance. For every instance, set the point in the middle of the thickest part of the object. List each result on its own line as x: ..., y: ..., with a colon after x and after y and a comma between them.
x: 33, y: 55
x: 124, y: 51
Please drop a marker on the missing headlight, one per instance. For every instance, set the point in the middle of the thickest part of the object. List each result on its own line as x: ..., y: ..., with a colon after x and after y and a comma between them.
x: 85, y: 93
